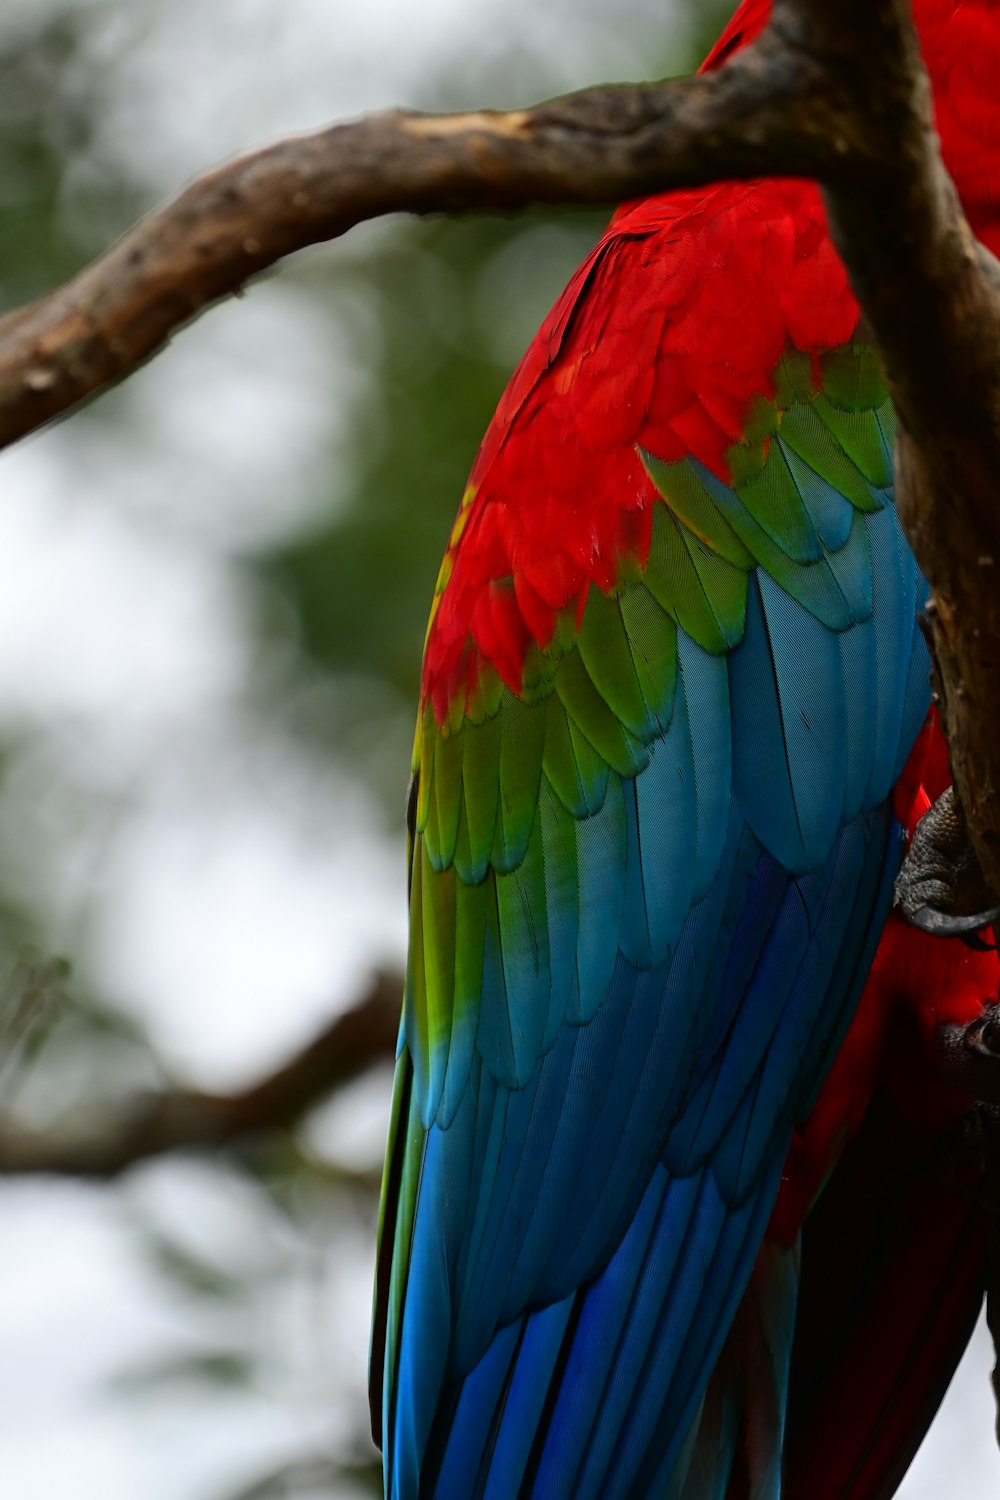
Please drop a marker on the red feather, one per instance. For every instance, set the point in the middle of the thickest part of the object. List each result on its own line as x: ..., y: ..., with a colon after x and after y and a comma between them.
x: 561, y: 507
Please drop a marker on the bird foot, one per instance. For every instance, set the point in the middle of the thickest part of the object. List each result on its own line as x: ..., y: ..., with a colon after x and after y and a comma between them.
x: 971, y: 1061
x: 940, y: 887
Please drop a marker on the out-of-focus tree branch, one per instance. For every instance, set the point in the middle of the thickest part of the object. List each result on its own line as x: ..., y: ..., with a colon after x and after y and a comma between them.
x: 109, y: 1140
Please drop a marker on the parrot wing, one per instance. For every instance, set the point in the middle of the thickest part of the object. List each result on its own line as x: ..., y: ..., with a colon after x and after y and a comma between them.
x: 671, y: 675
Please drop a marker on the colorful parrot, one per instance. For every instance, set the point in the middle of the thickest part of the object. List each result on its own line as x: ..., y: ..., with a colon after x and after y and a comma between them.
x: 674, y: 729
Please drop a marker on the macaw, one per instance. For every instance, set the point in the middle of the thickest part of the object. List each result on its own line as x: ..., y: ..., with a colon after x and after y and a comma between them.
x: 674, y: 730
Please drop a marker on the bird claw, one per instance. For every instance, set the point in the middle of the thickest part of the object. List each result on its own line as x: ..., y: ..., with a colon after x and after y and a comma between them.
x: 940, y: 888
x: 982, y: 1036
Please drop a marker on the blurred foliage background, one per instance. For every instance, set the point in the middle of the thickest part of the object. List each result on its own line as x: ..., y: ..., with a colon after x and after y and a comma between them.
x: 213, y: 590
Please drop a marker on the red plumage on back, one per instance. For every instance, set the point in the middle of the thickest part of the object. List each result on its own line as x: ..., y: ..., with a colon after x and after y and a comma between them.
x: 643, y: 351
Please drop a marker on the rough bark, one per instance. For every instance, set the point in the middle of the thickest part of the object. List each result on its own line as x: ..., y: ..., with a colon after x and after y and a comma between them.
x: 943, y: 368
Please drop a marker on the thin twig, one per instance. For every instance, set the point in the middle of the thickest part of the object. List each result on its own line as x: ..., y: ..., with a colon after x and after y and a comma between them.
x: 106, y: 1143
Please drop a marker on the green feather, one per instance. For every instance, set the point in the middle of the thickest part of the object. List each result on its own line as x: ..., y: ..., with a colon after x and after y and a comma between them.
x: 481, y: 788
x: 559, y: 763
x: 772, y: 498
x: 604, y: 647
x: 793, y: 380
x: 858, y: 434
x: 538, y: 674
x: 437, y: 904
x: 725, y: 588
x: 652, y: 638
x: 416, y: 1005
x: 470, y: 934
x: 522, y: 736
x: 596, y: 719
x: 442, y: 830
x: 593, y: 770
x: 853, y: 377
x: 691, y: 503
x: 486, y: 695
x: 885, y: 415
x: 423, y: 765
x: 465, y: 865
x: 844, y: 446
x: 812, y: 584
x: 677, y: 584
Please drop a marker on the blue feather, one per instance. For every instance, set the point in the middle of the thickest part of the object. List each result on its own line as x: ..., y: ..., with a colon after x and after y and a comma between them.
x: 602, y: 845
x: 668, y: 975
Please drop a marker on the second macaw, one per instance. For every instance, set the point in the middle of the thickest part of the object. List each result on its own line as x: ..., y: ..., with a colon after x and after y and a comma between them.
x: 673, y: 731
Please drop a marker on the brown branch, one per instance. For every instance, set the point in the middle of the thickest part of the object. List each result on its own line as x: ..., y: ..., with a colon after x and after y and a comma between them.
x: 932, y: 295
x: 764, y: 113
x: 106, y: 1144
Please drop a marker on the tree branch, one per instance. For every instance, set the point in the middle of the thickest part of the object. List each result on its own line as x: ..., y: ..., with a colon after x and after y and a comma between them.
x: 766, y: 112
x: 189, y: 1120
x: 932, y: 295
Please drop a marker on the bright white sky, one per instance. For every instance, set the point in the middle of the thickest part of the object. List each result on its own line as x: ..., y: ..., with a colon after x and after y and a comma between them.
x: 223, y: 877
